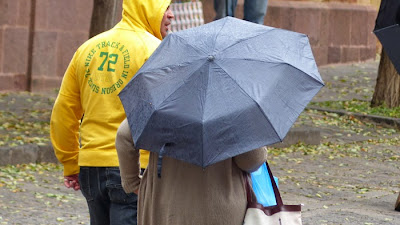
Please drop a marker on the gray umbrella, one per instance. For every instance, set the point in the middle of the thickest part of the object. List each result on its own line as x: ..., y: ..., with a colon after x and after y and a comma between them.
x: 219, y: 90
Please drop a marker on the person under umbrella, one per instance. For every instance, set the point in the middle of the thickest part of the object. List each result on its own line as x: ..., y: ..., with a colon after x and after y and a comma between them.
x: 186, y: 193
x: 206, y: 104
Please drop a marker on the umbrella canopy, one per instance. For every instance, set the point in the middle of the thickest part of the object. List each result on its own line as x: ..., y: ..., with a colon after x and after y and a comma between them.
x: 219, y: 90
x: 388, y: 31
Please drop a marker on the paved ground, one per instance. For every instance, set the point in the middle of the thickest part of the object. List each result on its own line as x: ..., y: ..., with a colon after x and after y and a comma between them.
x: 352, y: 177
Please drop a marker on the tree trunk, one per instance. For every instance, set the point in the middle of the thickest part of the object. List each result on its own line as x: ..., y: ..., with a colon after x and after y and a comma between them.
x: 387, y: 89
x: 103, y: 16
x: 31, y: 36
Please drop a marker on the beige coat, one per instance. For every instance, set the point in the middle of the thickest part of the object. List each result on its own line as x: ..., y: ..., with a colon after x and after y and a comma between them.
x: 186, y: 194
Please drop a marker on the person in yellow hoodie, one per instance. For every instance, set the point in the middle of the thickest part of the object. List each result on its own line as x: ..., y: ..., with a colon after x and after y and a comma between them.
x: 88, y: 112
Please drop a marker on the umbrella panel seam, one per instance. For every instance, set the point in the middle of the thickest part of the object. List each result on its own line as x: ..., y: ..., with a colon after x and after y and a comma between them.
x: 254, y: 102
x: 187, y: 43
x: 247, y: 39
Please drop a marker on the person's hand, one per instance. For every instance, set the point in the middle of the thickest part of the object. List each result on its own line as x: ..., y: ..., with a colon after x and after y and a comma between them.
x: 72, y: 182
x: 136, y: 191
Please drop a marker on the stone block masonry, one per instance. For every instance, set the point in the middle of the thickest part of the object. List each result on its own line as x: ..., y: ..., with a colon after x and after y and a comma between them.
x: 338, y: 32
x: 59, y: 28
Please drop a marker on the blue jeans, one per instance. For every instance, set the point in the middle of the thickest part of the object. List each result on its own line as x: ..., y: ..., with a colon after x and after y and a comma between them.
x: 107, y: 201
x: 254, y: 10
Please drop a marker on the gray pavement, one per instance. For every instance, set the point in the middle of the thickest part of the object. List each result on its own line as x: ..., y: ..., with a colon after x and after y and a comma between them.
x: 352, y: 177
x: 346, y: 171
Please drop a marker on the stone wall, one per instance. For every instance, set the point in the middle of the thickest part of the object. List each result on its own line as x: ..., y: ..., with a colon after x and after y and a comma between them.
x: 14, y: 31
x: 40, y: 45
x: 375, y: 3
x: 39, y: 41
x: 338, y: 32
x: 60, y: 28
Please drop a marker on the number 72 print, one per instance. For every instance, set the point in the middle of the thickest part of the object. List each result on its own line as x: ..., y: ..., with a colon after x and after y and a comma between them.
x: 112, y: 59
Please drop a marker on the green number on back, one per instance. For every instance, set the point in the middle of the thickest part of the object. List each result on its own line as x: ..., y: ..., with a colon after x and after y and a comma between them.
x: 115, y: 56
x: 104, y: 61
x: 113, y: 60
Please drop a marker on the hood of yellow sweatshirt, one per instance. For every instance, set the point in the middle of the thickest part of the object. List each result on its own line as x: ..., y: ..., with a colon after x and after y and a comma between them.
x: 144, y: 15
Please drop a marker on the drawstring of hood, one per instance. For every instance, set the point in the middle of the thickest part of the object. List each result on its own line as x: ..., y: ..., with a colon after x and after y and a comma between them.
x: 143, y: 15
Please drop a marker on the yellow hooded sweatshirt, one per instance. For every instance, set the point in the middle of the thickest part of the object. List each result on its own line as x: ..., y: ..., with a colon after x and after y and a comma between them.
x: 98, y: 71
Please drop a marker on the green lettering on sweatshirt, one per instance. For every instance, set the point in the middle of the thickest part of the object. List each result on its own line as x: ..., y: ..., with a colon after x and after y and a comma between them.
x: 87, y: 73
x: 93, y: 86
x: 125, y: 74
x: 127, y: 58
x: 112, y: 88
x: 111, y: 57
x: 89, y: 57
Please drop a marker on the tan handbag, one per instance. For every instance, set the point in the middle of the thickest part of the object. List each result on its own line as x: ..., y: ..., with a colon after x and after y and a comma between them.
x: 280, y: 214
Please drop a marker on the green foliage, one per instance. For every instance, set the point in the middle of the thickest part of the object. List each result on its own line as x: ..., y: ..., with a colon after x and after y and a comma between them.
x: 25, y: 118
x: 359, y: 106
x: 331, y: 150
x: 13, y: 177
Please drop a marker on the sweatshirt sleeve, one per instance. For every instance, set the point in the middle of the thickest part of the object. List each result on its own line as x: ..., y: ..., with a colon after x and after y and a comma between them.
x: 128, y: 158
x: 65, y: 122
x: 252, y: 160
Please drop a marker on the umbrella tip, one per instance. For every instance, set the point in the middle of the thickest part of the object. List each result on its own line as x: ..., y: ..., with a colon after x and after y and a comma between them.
x: 210, y: 58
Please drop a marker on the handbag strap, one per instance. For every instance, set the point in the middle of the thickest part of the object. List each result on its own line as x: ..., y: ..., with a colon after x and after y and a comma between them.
x: 275, y: 187
x: 248, y: 188
x: 278, y: 197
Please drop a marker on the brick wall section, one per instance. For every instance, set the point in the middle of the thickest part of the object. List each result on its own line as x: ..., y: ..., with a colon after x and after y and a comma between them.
x: 350, y: 33
x: 14, y: 24
x: 60, y: 28
x: 338, y: 32
x: 375, y: 3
